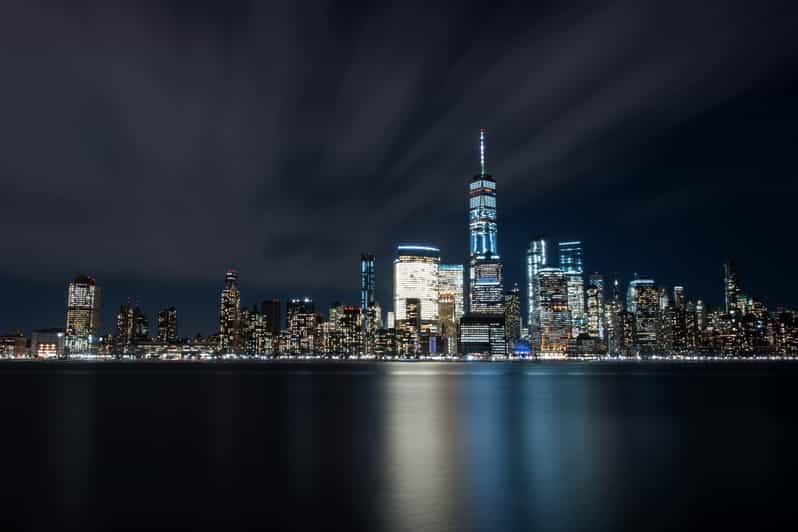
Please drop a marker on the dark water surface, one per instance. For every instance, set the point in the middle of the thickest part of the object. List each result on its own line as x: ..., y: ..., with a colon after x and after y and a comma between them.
x: 398, y: 446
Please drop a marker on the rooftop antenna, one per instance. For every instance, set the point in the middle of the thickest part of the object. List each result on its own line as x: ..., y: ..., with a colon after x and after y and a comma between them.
x: 482, y: 151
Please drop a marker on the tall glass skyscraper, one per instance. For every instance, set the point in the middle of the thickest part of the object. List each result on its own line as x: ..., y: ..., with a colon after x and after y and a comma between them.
x: 83, y: 315
x: 450, y: 283
x: 535, y: 260
x: 571, y: 265
x: 366, y: 289
x: 486, y: 291
x: 555, y: 319
x: 230, y: 314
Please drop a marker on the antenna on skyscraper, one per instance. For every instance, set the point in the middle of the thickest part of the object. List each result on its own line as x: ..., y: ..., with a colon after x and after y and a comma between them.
x: 482, y: 151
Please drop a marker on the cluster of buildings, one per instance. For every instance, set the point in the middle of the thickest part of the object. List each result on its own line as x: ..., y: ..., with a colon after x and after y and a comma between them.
x: 443, y: 309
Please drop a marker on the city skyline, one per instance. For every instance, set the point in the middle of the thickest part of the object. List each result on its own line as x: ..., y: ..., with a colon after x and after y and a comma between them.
x: 451, y: 310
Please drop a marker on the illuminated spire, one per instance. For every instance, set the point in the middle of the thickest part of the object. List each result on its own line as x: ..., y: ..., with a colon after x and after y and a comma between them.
x: 482, y: 151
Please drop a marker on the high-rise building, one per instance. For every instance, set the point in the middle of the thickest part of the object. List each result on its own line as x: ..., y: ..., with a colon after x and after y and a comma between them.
x: 270, y: 308
x: 594, y: 313
x: 678, y: 296
x: 451, y: 283
x: 351, y: 331
x: 256, y: 337
x: 167, y: 325
x: 366, y: 290
x: 535, y: 260
x: 486, y: 288
x: 301, y: 326
x: 450, y: 304
x: 140, y: 331
x: 617, y: 321
x: 230, y: 314
x: 512, y: 316
x: 82, y: 316
x: 415, y: 276
x: 124, y: 327
x: 631, y: 292
x: 646, y: 316
x: 597, y: 314
x: 731, y: 289
x: 597, y: 280
x: 571, y: 266
x: 664, y: 299
x: 555, y: 318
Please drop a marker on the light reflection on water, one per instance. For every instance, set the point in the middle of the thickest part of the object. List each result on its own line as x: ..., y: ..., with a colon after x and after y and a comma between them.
x: 433, y: 446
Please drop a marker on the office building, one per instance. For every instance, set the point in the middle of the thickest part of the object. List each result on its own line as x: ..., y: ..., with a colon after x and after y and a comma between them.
x: 230, y: 314
x: 678, y: 297
x: 483, y: 336
x: 270, y: 308
x: 83, y: 316
x: 451, y: 282
x: 367, y: 292
x: 731, y: 289
x: 512, y: 316
x: 167, y: 325
x: 486, y: 288
x: 535, y: 260
x: 646, y: 316
x: 415, y: 277
x: 301, y: 326
x: 572, y: 268
x: 555, y: 318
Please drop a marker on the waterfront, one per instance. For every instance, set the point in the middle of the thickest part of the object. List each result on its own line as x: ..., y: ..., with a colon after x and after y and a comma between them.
x: 397, y: 446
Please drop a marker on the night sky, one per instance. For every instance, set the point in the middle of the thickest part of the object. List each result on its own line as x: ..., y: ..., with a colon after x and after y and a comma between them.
x: 154, y: 148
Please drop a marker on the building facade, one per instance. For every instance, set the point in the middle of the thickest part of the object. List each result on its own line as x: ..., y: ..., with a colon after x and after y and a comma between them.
x: 415, y: 277
x: 82, y: 316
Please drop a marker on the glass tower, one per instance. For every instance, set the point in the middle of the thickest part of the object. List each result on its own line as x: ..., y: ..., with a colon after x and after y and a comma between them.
x: 366, y: 288
x: 486, y: 292
x: 571, y: 266
x: 535, y: 260
x: 83, y: 315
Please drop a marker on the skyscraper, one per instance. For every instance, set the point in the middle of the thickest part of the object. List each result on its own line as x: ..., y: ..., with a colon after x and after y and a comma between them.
x: 535, y: 260
x: 678, y: 296
x: 450, y: 303
x: 415, y: 276
x: 486, y: 291
x: 512, y: 316
x: 597, y: 314
x: 366, y: 290
x: 571, y: 265
x: 555, y: 318
x: 83, y: 315
x: 631, y: 292
x: 731, y: 289
x: 451, y: 282
x: 167, y: 325
x: 270, y: 308
x: 301, y: 326
x: 230, y: 314
x: 646, y: 315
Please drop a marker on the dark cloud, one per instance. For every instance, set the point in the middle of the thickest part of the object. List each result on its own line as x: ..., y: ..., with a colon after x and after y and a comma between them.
x: 168, y: 142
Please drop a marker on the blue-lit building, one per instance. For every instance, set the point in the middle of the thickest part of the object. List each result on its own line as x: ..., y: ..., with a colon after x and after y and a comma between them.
x: 366, y: 292
x: 486, y: 283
